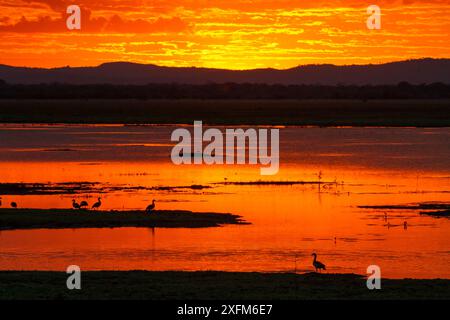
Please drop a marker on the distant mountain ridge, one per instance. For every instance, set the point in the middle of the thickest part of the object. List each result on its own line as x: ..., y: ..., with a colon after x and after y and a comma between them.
x: 420, y: 71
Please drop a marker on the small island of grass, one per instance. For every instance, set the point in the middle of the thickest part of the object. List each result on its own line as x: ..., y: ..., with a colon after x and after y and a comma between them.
x: 11, y: 219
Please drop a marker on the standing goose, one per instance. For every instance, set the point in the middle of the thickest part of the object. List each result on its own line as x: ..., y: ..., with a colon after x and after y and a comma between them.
x: 97, y: 204
x: 317, y: 264
x: 150, y: 207
x: 75, y: 205
x: 83, y: 204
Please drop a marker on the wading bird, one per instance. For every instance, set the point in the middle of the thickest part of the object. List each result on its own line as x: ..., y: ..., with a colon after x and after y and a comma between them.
x: 97, y: 204
x: 83, y: 204
x: 13, y: 204
x: 0, y: 201
x: 150, y: 207
x: 318, y: 265
x: 75, y: 205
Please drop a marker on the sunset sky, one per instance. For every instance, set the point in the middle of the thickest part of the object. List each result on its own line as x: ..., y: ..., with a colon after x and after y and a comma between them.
x: 233, y: 34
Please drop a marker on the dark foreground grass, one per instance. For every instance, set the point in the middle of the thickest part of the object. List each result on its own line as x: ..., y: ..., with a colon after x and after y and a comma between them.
x: 419, y: 113
x: 212, y: 285
x: 11, y: 219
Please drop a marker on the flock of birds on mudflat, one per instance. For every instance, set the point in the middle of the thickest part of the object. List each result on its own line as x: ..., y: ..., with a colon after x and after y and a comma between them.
x: 84, y: 205
x: 97, y: 205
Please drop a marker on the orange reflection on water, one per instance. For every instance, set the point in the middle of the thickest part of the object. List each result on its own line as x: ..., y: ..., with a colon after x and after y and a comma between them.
x: 289, y: 222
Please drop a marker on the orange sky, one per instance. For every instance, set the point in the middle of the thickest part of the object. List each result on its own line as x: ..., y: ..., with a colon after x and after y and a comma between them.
x: 233, y: 34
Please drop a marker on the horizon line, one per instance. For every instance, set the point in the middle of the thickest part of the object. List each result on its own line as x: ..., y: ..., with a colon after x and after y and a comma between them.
x: 197, y: 67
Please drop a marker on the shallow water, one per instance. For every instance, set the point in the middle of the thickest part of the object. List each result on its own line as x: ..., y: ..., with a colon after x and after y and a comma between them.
x: 359, y: 166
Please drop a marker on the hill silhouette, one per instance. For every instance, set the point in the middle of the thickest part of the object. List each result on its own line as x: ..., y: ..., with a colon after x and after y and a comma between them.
x: 421, y: 71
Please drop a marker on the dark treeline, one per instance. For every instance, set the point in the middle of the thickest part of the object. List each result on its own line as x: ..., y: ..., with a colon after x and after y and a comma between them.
x: 222, y: 91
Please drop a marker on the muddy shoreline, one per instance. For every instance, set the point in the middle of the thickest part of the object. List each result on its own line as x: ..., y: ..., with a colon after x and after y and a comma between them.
x: 212, y: 285
x: 14, y: 219
x: 434, y: 209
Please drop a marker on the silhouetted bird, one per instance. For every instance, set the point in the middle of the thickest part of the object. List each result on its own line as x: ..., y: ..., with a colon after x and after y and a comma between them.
x: 83, y: 204
x: 97, y: 204
x: 151, y: 207
x: 75, y: 205
x: 13, y: 204
x: 405, y: 225
x: 318, y: 265
x: 0, y: 201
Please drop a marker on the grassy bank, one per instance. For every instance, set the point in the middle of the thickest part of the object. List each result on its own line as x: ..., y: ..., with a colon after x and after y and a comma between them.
x: 434, y: 209
x: 212, y: 285
x: 11, y: 219
x: 421, y: 113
